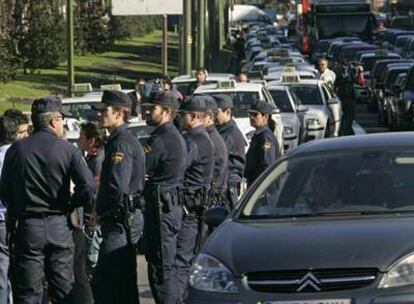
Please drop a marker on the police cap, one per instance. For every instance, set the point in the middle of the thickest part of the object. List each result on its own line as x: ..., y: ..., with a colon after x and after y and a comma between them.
x: 262, y: 107
x: 163, y: 98
x: 49, y: 104
x: 113, y: 98
x: 223, y: 101
x: 211, y: 103
x: 196, y: 103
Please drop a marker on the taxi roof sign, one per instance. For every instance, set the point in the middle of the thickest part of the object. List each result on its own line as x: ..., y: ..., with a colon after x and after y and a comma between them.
x: 290, y: 78
x: 279, y: 52
x: 112, y: 87
x: 226, y: 84
x: 82, y: 88
x: 288, y: 69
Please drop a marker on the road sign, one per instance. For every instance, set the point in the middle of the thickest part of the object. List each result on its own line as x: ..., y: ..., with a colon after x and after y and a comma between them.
x: 146, y: 7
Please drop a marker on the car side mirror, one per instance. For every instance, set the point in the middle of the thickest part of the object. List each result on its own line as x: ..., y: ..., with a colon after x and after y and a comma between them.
x: 332, y: 101
x: 215, y: 216
x: 302, y: 108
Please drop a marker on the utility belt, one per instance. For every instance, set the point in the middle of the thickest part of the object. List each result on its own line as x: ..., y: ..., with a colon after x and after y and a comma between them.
x: 194, y: 199
x: 164, y: 197
x: 123, y: 212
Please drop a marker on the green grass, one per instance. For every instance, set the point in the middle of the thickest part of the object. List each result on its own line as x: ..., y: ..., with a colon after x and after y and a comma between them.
x: 127, y: 61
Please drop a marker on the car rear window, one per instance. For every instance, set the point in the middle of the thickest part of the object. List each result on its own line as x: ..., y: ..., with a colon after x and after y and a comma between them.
x: 242, y: 101
x: 282, y: 100
x: 308, y: 94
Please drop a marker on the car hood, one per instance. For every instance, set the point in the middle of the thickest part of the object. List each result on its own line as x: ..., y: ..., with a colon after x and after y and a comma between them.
x: 288, y: 119
x: 312, y: 244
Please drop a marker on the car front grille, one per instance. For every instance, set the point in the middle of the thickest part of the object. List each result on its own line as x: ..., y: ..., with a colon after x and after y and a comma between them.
x: 315, y: 280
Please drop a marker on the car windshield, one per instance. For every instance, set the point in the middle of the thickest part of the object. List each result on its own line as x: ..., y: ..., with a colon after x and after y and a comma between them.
x: 241, y: 101
x: 392, y: 76
x: 187, y: 87
x: 308, y: 94
x: 82, y: 111
x: 339, y: 183
x: 335, y: 25
x: 282, y: 100
x: 368, y: 62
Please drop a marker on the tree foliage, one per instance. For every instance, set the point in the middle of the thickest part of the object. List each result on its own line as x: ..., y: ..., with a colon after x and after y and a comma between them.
x: 39, y: 34
x: 92, y: 27
x: 133, y: 26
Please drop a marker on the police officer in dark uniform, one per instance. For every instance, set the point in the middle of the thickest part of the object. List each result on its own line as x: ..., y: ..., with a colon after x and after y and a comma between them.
x: 165, y: 155
x: 235, y: 142
x: 345, y: 85
x: 197, y: 181
x: 264, y: 149
x: 118, y: 203
x: 219, y: 182
x: 35, y: 185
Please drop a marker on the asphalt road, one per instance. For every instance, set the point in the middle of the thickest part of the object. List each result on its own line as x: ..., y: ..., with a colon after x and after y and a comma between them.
x: 145, y: 295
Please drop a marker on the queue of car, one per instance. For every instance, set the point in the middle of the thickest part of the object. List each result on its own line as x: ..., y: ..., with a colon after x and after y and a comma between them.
x: 331, y: 221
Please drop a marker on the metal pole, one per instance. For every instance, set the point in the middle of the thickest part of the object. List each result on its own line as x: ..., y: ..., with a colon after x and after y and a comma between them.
x: 69, y: 45
x: 188, y: 39
x: 201, y: 32
x: 221, y: 35
x: 165, y: 45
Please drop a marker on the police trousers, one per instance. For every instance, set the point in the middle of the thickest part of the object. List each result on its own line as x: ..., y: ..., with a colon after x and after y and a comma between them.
x: 115, y: 277
x: 5, y: 288
x: 186, y: 249
x: 160, y: 242
x: 43, y: 249
x: 82, y: 292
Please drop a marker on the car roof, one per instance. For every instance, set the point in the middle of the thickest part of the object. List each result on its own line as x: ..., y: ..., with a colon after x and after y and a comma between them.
x: 376, y: 141
x: 240, y: 86
x: 88, y: 97
x: 211, y: 76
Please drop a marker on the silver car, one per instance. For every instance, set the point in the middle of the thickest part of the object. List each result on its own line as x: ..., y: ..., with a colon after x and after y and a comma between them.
x: 292, y: 114
x: 323, y: 118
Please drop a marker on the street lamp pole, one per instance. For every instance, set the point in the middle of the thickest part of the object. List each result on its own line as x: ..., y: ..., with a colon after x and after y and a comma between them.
x: 69, y: 46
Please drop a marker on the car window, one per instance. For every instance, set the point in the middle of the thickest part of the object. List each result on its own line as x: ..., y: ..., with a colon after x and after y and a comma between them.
x: 356, y: 182
x: 242, y: 101
x: 325, y: 93
x: 282, y: 100
x: 82, y: 111
x: 308, y: 94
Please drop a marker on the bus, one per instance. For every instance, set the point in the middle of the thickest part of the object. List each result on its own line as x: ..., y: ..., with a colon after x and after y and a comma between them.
x: 328, y: 19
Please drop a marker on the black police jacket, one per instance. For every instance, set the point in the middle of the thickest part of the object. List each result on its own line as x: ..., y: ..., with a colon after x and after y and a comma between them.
x: 165, y: 156
x: 37, y: 173
x: 221, y: 162
x: 200, y: 160
x: 263, y: 152
x: 236, y: 148
x: 123, y: 171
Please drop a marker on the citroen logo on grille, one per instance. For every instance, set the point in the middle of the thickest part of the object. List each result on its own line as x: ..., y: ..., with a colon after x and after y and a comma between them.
x: 309, y: 281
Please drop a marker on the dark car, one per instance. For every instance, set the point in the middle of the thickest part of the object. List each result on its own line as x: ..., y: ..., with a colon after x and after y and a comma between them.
x: 403, y: 97
x: 332, y: 222
x: 388, y: 80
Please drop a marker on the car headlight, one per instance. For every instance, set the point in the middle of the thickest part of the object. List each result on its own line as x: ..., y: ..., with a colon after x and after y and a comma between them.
x: 400, y: 273
x: 313, y: 122
x: 288, y: 131
x: 209, y: 274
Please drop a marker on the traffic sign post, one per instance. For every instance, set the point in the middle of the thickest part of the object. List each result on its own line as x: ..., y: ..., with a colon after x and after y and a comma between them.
x: 151, y: 7
x: 69, y: 46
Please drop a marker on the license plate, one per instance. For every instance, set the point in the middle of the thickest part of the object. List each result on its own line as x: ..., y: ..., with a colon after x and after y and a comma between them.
x: 329, y: 301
